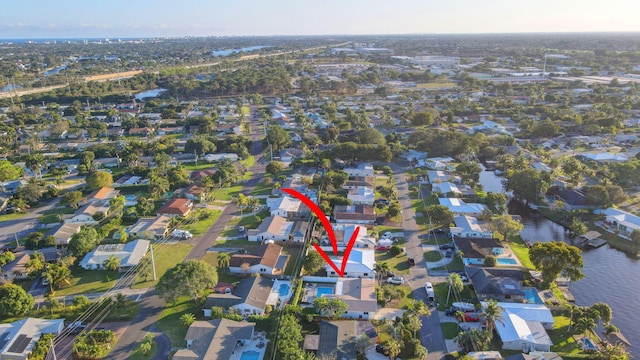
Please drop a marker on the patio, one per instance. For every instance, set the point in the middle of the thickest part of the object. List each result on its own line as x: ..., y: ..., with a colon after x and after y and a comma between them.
x: 258, y: 344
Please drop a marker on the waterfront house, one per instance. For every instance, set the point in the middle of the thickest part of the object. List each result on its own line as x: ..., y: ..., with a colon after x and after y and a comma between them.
x: 496, y: 283
x: 266, y: 259
x: 249, y: 297
x: 626, y: 223
x: 215, y: 339
x: 524, y: 327
x: 470, y: 227
x: 573, y: 199
x: 460, y: 207
x: 474, y: 250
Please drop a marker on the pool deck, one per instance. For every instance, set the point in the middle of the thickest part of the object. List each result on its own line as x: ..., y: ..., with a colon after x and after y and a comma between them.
x: 274, y: 296
x: 258, y: 338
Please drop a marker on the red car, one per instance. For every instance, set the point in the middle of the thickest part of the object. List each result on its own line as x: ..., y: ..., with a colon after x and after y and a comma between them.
x: 471, y: 317
x: 383, y: 247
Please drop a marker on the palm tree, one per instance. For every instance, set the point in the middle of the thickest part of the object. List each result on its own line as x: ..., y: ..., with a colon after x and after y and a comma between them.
x: 363, y: 342
x: 493, y: 314
x: 36, y: 263
x: 414, y: 324
x: 381, y: 269
x: 459, y: 315
x: 112, y: 263
x: 585, y: 324
x: 120, y: 302
x: 394, y: 348
x: 416, y: 308
x: 223, y: 260
x: 241, y: 201
x: 187, y: 319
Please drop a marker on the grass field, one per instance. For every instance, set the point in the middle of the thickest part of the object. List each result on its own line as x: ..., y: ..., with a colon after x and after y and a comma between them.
x: 89, y: 281
x: 14, y: 216
x: 138, y: 355
x: 166, y: 257
x: 449, y: 329
x: 521, y: 251
x: 398, y: 264
x: 169, y: 320
x: 262, y: 189
x: 436, y: 85
x: 562, y: 340
x: 54, y: 215
x: 441, y: 291
x: 455, y: 265
x: 227, y: 193
x: 201, y: 226
x: 432, y: 256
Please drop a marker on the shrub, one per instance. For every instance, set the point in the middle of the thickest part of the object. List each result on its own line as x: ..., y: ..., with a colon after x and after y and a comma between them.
x: 395, y: 250
x: 490, y: 261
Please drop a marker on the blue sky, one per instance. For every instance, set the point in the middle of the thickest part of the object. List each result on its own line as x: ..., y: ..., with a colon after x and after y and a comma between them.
x: 138, y: 18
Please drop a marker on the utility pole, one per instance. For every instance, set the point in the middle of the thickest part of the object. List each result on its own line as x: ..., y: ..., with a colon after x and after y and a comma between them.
x: 153, y: 264
x: 53, y: 350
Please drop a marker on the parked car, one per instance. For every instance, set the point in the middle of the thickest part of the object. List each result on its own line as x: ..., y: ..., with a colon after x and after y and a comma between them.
x: 390, y: 273
x: 446, y: 246
x: 449, y: 253
x: 471, y: 317
x: 383, y: 247
x: 380, y: 349
x: 411, y: 262
x: 396, y: 280
x: 45, y: 280
x: 387, y: 234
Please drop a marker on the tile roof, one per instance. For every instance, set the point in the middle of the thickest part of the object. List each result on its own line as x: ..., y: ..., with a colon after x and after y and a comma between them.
x: 253, y: 291
x: 176, y: 207
x: 265, y: 254
x: 337, y: 340
x: 214, y: 339
x: 477, y: 247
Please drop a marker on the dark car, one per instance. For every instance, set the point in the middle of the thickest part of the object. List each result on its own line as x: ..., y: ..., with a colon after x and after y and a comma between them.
x: 411, y: 262
x: 380, y: 349
x: 446, y: 246
x: 449, y: 253
x: 390, y: 273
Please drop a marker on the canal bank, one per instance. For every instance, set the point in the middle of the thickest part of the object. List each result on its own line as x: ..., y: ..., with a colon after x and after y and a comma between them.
x: 611, y: 276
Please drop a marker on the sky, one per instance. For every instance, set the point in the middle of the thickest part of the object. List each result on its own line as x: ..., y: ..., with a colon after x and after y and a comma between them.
x: 32, y: 19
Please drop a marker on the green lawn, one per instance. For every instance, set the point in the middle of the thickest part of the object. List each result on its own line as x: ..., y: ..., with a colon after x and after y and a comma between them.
x: 166, y: 257
x: 521, y: 251
x: 294, y: 256
x: 89, y: 281
x: 54, y: 215
x: 14, y: 216
x: 562, y: 340
x: 441, y: 291
x: 138, y: 355
x: 398, y: 264
x: 249, y: 161
x: 200, y: 227
x: 248, y: 245
x: 227, y: 193
x: 262, y: 189
x: 432, y: 256
x: 449, y: 329
x: 455, y: 265
x: 169, y: 321
x: 200, y: 166
x: 211, y: 258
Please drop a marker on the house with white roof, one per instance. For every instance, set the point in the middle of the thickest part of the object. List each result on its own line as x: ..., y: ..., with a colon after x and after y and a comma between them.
x: 343, y: 234
x: 288, y: 207
x: 623, y: 221
x: 458, y: 206
x: 439, y: 163
x: 470, y: 227
x: 361, y: 264
x: 85, y: 214
x: 129, y: 254
x: 363, y: 169
x: 359, y: 295
x: 440, y: 176
x: 274, y: 228
x: 524, y: 327
x: 18, y: 338
x: 361, y: 195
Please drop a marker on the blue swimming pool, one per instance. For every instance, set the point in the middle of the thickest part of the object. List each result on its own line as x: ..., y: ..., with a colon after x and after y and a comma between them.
x: 323, y: 290
x: 284, y: 289
x: 250, y: 355
x: 588, y: 344
x: 507, y: 261
x: 532, y: 297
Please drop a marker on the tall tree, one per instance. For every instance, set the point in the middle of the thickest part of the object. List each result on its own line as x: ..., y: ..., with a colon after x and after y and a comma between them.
x: 8, y: 171
x: 527, y: 184
x: 555, y: 259
x: 493, y: 314
x: 278, y: 137
x: 439, y: 215
x: 72, y: 198
x: 506, y: 226
x: 98, y: 179
x: 224, y: 260
x: 112, y: 263
x: 14, y: 301
x: 83, y: 241
x: 312, y: 262
x: 190, y: 278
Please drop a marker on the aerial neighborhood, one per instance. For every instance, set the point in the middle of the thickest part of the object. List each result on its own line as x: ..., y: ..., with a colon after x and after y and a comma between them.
x: 491, y: 194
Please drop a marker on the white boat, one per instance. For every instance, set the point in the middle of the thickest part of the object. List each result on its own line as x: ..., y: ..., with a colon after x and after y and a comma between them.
x: 464, y: 306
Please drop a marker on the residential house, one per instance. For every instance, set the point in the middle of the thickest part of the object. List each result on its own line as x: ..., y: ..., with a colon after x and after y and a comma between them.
x: 298, y: 184
x: 274, y: 228
x: 336, y: 340
x: 198, y: 175
x: 18, y: 338
x: 485, y: 355
x: 474, y: 250
x: 129, y: 254
x: 439, y: 176
x: 267, y: 259
x: 470, y: 227
x: 85, y: 215
x: 363, y: 169
x: 215, y: 339
x: 126, y: 180
x: 288, y: 155
x: 524, y: 327
x: 360, y: 264
x: 194, y: 192
x: 343, y: 233
x: 288, y: 207
x: 451, y: 190
x: 176, y: 207
x: 354, y: 214
x: 299, y: 231
x: 460, y: 207
x: 439, y: 163
x: 359, y: 181
x: 573, y: 199
x: 360, y: 296
x: 64, y: 232
x: 249, y: 297
x: 626, y: 223
x: 361, y: 196
x: 221, y: 156
x: 17, y: 269
x: 151, y: 228
x: 497, y: 283
x: 535, y: 355
x: 103, y: 194
x: 144, y: 131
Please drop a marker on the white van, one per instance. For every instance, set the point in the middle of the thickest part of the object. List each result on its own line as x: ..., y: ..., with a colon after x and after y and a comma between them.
x: 431, y: 296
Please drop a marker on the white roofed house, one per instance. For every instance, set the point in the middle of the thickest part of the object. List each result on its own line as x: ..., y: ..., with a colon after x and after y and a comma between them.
x: 288, y: 207
x: 524, y: 327
x: 361, y: 195
x: 274, y: 228
x: 361, y: 264
x: 622, y: 221
x: 343, y: 234
x: 363, y: 169
x: 64, y: 233
x: 470, y: 227
x: 85, y: 215
x: 359, y: 295
x: 18, y: 338
x: 129, y: 254
x: 460, y: 207
x: 249, y: 297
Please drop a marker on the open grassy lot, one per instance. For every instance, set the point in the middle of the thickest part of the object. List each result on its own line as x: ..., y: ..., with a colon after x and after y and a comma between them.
x: 227, y: 193
x: 432, y: 256
x: 449, y: 329
x: 138, y: 355
x: 262, y: 189
x: 89, y: 281
x: 244, y: 244
x: 441, y: 291
x: 54, y: 215
x: 206, y: 218
x: 444, y: 85
x: 398, y: 264
x: 166, y: 257
x: 169, y: 320
x: 455, y: 265
x: 562, y: 340
x: 521, y: 251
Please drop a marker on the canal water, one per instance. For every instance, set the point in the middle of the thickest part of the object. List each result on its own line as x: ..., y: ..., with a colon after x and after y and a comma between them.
x: 611, y: 276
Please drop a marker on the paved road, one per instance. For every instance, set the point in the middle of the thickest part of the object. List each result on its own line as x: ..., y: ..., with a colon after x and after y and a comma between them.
x: 23, y: 226
x: 431, y: 333
x: 151, y: 305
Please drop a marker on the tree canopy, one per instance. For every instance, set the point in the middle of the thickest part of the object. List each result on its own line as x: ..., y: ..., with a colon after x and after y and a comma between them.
x: 83, y: 241
x: 555, y: 259
x: 98, y: 179
x: 190, y: 278
x: 14, y: 301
